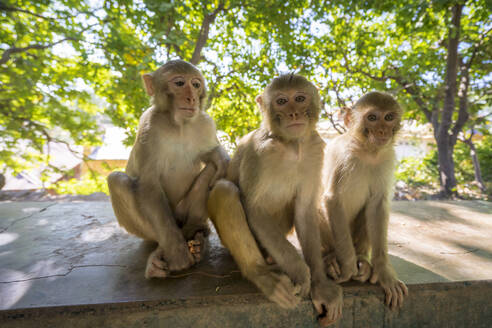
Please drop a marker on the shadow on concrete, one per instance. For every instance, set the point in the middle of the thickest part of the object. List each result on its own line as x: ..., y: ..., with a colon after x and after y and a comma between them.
x: 412, y: 273
x: 428, y: 211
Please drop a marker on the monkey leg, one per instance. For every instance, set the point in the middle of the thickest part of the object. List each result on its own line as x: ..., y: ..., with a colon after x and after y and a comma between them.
x: 123, y: 199
x: 227, y: 214
x: 271, y: 236
x: 192, y: 212
x: 142, y: 209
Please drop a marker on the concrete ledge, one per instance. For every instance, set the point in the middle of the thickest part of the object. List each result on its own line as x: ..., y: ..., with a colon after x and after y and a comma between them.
x: 461, y: 304
x: 70, y: 265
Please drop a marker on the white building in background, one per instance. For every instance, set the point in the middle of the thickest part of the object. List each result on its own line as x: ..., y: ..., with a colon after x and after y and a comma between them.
x: 112, y: 153
x: 413, y: 140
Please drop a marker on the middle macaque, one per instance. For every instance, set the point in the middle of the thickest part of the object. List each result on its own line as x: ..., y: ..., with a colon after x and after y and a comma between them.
x: 278, y: 171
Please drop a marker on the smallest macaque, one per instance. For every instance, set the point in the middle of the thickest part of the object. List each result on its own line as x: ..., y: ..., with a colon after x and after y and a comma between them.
x: 358, y: 169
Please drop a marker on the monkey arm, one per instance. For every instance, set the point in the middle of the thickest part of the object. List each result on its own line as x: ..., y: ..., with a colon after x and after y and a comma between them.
x: 219, y: 157
x: 344, y: 247
x: 306, y: 224
x: 283, y: 252
x: 377, y: 214
x: 325, y: 294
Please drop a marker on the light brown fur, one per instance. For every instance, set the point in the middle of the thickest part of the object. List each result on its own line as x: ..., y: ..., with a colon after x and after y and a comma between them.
x: 176, y: 157
x: 273, y: 186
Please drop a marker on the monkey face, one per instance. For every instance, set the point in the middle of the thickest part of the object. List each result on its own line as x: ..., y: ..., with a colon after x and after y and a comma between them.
x: 380, y: 126
x: 290, y: 111
x: 184, y: 91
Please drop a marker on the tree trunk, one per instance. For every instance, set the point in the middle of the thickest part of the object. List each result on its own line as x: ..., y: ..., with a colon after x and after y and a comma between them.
x: 447, y: 177
x: 444, y: 145
x: 476, y: 165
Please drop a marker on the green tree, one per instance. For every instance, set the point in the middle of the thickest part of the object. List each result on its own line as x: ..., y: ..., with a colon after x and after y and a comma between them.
x: 42, y: 93
x: 433, y: 55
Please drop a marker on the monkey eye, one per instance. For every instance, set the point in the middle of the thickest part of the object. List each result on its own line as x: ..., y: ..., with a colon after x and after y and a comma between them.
x: 281, y: 101
x: 300, y: 98
x: 372, y: 117
x: 389, y: 117
x: 196, y: 83
x: 179, y: 83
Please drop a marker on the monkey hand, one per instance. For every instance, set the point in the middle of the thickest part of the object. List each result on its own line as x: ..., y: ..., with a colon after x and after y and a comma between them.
x: 348, y: 269
x: 327, y: 299
x: 218, y: 157
x: 365, y: 269
x: 394, y: 289
x: 179, y: 257
x: 301, y: 277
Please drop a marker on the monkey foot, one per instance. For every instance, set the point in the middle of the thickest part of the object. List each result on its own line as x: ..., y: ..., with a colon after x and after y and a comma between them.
x: 365, y: 270
x: 328, y: 301
x: 283, y: 292
x: 394, y: 289
x: 331, y: 266
x: 156, y: 266
x: 198, y: 246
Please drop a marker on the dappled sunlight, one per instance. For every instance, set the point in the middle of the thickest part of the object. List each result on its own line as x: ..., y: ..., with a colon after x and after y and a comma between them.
x: 10, y: 294
x: 7, y: 237
x: 100, y: 233
x: 42, y: 222
x: 444, y: 237
x: 31, y: 209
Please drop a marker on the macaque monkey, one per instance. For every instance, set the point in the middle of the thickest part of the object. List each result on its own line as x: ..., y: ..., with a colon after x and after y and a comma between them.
x: 274, y: 185
x: 358, y: 170
x: 175, y: 159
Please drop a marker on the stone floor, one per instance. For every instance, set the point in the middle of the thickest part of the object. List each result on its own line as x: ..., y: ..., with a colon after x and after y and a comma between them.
x: 57, y: 255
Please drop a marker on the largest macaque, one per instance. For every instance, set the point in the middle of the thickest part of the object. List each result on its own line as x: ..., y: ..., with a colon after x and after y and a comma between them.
x: 359, y: 168
x: 273, y: 185
x: 176, y: 157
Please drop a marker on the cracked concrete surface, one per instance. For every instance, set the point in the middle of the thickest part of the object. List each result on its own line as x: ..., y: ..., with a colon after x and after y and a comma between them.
x: 75, y: 254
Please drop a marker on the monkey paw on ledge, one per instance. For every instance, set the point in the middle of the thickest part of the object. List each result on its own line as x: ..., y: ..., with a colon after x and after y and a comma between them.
x: 69, y: 264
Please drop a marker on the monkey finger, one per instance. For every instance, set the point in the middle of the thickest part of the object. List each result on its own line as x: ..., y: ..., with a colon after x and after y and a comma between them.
x: 400, y: 295
x: 284, y: 299
x: 332, y: 273
x: 336, y: 267
x: 403, y: 288
x: 159, y: 264
x: 387, y: 293
x: 394, y: 299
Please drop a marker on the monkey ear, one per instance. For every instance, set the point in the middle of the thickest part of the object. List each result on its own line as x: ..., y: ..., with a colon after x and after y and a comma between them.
x: 347, y: 116
x: 149, y: 84
x: 259, y: 100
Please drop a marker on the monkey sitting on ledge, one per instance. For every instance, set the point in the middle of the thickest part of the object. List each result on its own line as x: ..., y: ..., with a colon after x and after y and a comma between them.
x: 162, y: 196
x: 273, y: 185
x: 359, y: 167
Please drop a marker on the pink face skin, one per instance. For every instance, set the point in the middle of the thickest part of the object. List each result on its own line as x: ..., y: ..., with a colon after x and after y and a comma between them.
x: 290, y: 108
x: 380, y: 126
x: 186, y: 90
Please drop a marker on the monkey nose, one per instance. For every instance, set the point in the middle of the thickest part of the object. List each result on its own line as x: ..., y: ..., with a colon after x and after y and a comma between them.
x: 294, y: 115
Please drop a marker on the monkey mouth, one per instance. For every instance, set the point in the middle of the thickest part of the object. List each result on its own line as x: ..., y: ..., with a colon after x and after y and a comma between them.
x: 187, y: 110
x: 381, y: 141
x: 296, y: 125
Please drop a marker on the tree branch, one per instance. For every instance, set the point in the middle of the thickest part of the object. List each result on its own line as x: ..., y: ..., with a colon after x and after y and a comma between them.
x: 7, y: 8
x: 204, y: 30
x: 9, y: 52
x: 463, y: 114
